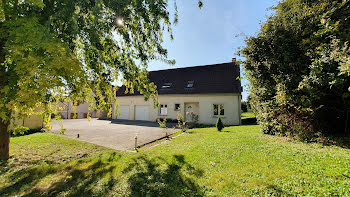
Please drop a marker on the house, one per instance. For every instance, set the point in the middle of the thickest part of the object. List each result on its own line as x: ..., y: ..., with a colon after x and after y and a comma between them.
x: 200, y: 92
x: 32, y: 122
x: 81, y: 111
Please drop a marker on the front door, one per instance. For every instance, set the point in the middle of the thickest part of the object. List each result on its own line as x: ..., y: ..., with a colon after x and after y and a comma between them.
x: 188, y: 112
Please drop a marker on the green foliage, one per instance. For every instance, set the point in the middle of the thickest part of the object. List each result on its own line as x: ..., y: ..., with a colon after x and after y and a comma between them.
x: 64, y: 50
x: 162, y: 123
x: 219, y: 124
x: 181, y: 123
x: 200, y: 4
x: 245, y: 106
x: 62, y: 131
x: 20, y: 130
x: 247, y: 115
x: 298, y: 68
x: 248, y: 118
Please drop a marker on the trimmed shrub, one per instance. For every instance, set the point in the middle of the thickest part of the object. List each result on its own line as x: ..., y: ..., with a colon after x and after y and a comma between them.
x: 219, y: 124
x: 20, y: 131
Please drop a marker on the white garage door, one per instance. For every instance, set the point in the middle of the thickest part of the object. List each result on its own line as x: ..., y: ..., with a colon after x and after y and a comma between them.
x: 141, y: 113
x: 124, y: 113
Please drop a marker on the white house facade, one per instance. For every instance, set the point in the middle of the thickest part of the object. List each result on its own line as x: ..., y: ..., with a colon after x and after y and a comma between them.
x: 202, y: 93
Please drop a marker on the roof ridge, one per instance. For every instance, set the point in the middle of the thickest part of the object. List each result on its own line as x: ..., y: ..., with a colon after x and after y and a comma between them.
x: 188, y: 67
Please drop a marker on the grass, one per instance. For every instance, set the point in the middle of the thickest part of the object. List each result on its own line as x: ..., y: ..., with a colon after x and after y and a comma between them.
x: 246, y: 115
x: 248, y: 118
x: 203, y: 162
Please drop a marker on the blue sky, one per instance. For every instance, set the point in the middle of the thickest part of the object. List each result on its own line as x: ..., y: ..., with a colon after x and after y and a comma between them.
x: 207, y: 36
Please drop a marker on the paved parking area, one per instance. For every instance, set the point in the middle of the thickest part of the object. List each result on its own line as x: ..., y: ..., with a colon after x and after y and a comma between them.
x: 116, y: 134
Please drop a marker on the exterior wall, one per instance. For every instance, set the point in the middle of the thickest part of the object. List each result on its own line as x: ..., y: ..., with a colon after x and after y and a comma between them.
x: 32, y: 122
x: 205, y: 102
x: 81, y: 109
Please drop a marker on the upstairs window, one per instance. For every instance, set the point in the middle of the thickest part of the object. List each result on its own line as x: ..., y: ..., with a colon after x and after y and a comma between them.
x: 163, y: 110
x: 166, y: 85
x: 189, y: 84
x: 218, y: 110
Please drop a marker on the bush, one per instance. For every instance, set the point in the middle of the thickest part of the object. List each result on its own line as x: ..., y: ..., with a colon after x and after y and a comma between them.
x: 298, y: 68
x: 219, y: 124
x: 181, y: 123
x: 162, y: 123
x: 20, y: 131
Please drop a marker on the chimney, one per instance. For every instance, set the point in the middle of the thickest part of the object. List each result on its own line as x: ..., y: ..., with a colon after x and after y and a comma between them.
x: 234, y: 60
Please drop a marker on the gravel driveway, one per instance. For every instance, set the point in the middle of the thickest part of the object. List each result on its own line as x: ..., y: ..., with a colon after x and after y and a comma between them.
x: 116, y: 134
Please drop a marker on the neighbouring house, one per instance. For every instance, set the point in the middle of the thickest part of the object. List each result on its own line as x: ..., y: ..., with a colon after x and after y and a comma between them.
x: 200, y: 92
x: 32, y: 122
x: 82, y: 110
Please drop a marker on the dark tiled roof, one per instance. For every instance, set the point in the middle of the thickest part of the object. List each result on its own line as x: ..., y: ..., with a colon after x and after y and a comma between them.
x: 217, y: 78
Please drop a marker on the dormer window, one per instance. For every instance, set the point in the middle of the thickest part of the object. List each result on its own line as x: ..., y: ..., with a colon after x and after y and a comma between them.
x: 166, y: 86
x: 189, y: 84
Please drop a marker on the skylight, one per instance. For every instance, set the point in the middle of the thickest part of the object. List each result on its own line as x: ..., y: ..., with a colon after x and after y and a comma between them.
x: 166, y: 86
x: 189, y: 84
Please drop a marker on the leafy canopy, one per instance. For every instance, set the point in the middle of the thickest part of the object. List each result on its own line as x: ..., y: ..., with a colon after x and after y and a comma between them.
x: 71, y: 50
x: 298, y: 66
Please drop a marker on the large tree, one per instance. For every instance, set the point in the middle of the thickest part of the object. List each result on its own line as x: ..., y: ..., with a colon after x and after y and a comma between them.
x: 298, y: 66
x: 52, y: 50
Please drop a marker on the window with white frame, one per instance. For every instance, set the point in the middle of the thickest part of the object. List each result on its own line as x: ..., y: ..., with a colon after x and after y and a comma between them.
x: 218, y: 110
x: 163, y: 110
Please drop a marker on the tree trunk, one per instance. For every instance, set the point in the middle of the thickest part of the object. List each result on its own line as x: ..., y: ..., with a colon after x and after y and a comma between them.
x: 4, y: 134
x: 4, y: 141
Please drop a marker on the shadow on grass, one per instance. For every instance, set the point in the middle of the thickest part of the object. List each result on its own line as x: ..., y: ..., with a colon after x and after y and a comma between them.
x: 340, y: 141
x: 158, y: 177
x: 77, y: 179
x: 106, y: 177
x: 141, y: 123
x: 245, y: 122
x: 249, y: 121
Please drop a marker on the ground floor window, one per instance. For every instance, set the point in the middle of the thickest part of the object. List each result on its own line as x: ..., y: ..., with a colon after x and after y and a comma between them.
x: 177, y: 107
x: 218, y: 110
x: 163, y: 110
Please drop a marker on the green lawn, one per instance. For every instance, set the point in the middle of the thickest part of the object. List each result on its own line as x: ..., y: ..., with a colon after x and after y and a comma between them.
x: 204, y: 162
x: 246, y: 115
